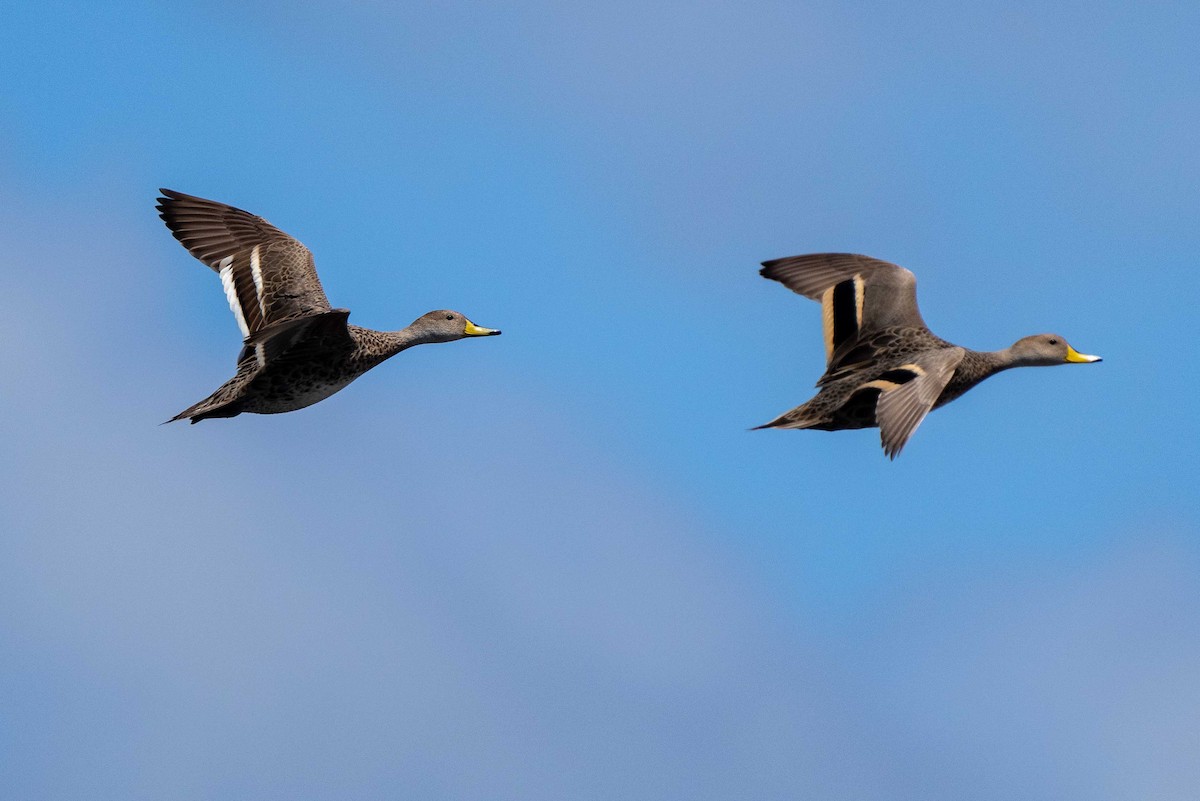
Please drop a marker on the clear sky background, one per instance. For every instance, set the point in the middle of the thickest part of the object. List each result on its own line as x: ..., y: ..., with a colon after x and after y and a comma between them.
x: 555, y: 564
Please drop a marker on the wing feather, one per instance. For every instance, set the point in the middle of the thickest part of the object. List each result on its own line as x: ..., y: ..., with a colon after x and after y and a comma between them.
x: 299, y: 337
x: 859, y: 295
x: 268, y: 276
x: 901, y: 409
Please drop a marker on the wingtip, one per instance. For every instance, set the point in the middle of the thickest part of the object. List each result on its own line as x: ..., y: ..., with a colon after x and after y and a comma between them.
x: 164, y: 200
x: 771, y: 269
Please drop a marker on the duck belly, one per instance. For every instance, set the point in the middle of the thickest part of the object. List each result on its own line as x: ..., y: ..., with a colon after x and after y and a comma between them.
x: 276, y: 394
x: 858, y: 411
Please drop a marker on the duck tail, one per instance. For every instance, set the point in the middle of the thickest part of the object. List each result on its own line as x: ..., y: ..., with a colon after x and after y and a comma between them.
x: 796, y: 418
x: 206, y: 409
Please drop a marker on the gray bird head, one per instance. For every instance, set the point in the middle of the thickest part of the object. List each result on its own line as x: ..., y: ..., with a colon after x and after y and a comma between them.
x: 446, y: 326
x: 1047, y: 349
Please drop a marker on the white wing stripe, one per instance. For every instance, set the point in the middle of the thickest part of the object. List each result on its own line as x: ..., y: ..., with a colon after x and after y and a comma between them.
x: 827, y: 321
x: 225, y: 268
x: 256, y: 274
x: 860, y: 297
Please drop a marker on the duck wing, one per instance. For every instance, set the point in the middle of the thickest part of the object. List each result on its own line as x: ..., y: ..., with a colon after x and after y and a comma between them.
x: 268, y: 276
x: 315, y: 334
x: 860, y: 296
x: 909, y: 392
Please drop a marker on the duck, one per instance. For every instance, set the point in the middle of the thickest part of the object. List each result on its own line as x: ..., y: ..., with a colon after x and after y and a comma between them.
x: 884, y: 367
x: 296, y: 349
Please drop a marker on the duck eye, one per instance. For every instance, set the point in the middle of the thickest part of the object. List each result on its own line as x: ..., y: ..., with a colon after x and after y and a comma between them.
x: 449, y: 316
x: 1054, y: 342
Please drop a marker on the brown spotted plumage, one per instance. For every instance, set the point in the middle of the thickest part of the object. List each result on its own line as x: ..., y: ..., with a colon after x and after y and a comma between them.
x: 296, y: 349
x: 884, y: 367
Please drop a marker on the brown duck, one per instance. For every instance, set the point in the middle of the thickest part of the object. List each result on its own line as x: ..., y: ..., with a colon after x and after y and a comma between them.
x: 297, y: 350
x: 884, y: 367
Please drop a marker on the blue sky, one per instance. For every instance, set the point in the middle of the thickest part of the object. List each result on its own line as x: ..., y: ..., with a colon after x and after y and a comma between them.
x: 555, y: 564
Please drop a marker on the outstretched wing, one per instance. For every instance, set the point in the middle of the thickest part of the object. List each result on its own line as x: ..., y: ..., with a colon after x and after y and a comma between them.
x: 859, y: 295
x: 909, y: 392
x: 268, y: 276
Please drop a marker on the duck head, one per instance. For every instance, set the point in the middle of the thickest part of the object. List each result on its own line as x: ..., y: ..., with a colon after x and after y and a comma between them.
x: 444, y: 325
x: 1043, y: 350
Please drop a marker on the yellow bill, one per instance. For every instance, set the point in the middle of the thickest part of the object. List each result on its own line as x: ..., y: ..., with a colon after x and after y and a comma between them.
x: 473, y: 330
x: 1080, y: 358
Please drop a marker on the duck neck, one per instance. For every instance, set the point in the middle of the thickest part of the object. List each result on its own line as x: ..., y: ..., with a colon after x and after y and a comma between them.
x: 975, y: 367
x: 377, y: 346
x: 406, y: 338
x: 996, y: 360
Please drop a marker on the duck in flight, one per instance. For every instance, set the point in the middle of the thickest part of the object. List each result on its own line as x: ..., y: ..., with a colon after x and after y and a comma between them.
x: 296, y: 350
x: 884, y: 367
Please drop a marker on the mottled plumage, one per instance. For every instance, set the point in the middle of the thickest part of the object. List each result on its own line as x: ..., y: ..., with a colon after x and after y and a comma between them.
x: 884, y: 367
x: 296, y: 349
